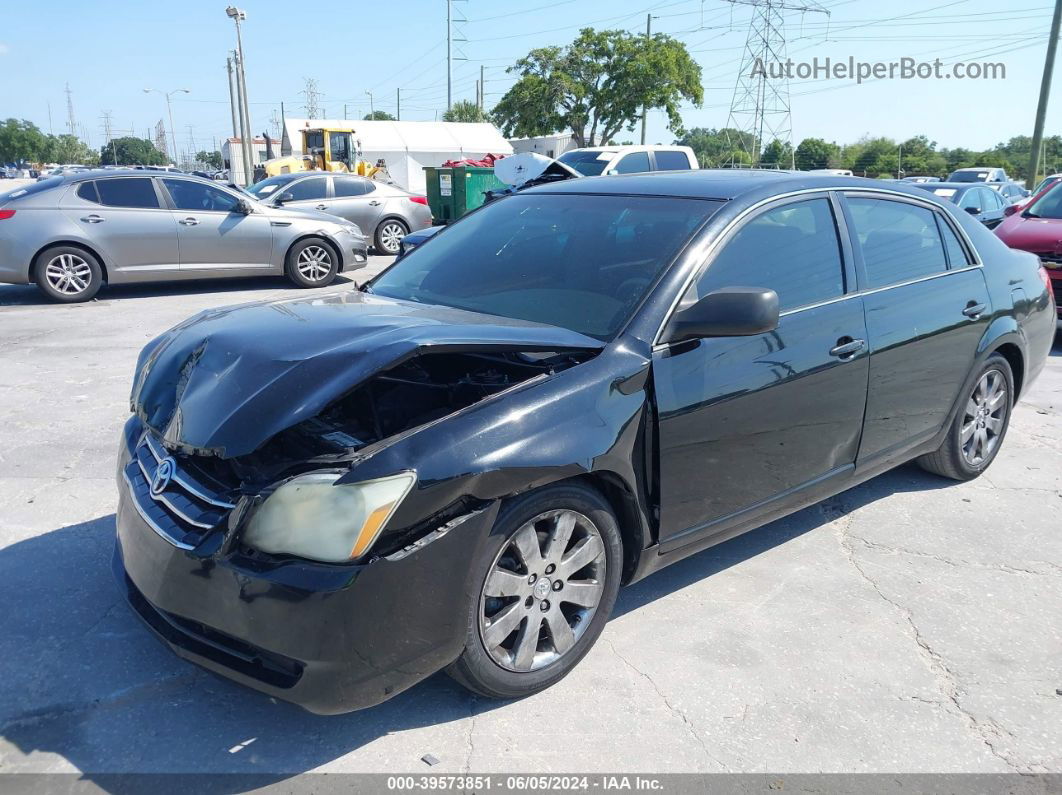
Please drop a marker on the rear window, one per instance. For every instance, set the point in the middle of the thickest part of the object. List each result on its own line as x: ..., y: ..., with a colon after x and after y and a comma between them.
x: 29, y: 190
x: 586, y: 163
x: 127, y: 192
x: 968, y: 176
x: 672, y: 161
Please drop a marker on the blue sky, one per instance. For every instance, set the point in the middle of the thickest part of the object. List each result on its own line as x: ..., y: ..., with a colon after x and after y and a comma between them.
x: 110, y: 50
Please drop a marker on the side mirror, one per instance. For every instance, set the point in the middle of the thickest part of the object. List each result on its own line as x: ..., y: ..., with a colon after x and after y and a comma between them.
x: 973, y: 210
x: 243, y: 207
x: 286, y: 196
x: 729, y: 312
x: 1009, y: 210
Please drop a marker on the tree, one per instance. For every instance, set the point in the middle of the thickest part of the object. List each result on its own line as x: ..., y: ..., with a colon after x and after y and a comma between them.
x: 597, y: 85
x: 22, y: 141
x: 212, y: 159
x: 715, y: 148
x: 466, y: 111
x: 379, y: 115
x: 131, y: 151
x: 778, y: 154
x: 815, y: 153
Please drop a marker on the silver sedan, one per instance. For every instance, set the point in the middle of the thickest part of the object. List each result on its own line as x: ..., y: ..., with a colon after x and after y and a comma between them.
x: 70, y: 234
x: 387, y: 213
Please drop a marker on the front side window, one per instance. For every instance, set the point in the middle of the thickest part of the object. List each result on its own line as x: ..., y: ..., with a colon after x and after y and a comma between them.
x: 339, y: 146
x: 581, y: 262
x: 672, y: 161
x: 127, y: 192
x: 305, y: 189
x: 188, y: 195
x: 971, y: 200
x: 792, y: 249
x: 634, y: 163
x: 1047, y: 206
x: 900, y: 241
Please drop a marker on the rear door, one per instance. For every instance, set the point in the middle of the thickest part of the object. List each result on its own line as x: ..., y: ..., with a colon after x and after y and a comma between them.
x: 745, y: 420
x: 126, y: 219
x: 357, y: 200
x: 927, y: 307
x: 212, y: 234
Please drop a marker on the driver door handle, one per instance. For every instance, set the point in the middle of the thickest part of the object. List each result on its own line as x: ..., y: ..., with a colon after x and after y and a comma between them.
x: 92, y: 219
x: 189, y: 221
x: 974, y: 311
x: 374, y: 203
x: 847, y: 347
x: 321, y: 207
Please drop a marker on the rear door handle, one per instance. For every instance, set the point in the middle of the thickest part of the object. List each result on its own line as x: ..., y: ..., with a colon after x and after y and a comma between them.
x: 847, y: 347
x: 189, y: 221
x: 374, y: 203
x: 93, y: 219
x: 321, y: 207
x: 974, y: 311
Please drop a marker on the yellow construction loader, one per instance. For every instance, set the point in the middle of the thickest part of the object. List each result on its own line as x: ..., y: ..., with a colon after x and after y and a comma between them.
x: 327, y: 150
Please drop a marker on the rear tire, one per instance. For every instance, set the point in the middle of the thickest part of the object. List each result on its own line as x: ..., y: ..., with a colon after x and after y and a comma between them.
x: 980, y: 425
x: 67, y: 274
x: 388, y: 237
x: 546, y: 587
x: 312, y: 263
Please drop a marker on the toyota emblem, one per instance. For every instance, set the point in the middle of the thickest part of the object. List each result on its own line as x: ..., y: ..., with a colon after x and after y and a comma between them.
x: 163, y: 475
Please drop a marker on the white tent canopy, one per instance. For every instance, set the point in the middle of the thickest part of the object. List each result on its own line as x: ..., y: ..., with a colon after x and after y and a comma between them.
x: 407, y: 146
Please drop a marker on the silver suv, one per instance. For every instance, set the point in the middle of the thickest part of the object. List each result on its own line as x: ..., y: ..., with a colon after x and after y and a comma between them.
x: 69, y: 234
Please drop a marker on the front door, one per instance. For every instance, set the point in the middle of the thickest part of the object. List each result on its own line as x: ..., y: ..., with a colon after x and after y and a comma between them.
x: 747, y: 419
x: 213, y: 236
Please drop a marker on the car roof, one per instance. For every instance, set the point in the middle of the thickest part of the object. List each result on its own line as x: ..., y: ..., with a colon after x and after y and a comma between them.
x: 720, y: 184
x: 955, y: 185
x: 111, y: 173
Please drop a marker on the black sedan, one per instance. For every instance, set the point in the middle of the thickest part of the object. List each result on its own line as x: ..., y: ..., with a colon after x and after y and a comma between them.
x: 330, y: 499
x: 976, y: 198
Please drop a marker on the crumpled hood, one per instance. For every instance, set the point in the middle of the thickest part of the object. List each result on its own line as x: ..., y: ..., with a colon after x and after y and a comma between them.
x: 227, y: 380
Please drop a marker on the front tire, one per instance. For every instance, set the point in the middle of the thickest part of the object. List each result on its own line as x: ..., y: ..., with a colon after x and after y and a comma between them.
x: 977, y: 432
x: 541, y: 603
x: 67, y: 274
x: 312, y: 263
x: 388, y: 237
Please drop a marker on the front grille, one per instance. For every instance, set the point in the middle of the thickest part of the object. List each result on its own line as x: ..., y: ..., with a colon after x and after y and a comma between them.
x: 1050, y: 256
x: 183, y: 507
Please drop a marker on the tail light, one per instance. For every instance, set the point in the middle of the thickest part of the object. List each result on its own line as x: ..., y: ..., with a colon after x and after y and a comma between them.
x: 419, y: 200
x: 1043, y: 276
x: 5, y: 214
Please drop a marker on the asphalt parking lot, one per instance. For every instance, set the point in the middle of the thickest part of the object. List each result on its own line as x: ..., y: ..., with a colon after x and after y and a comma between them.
x: 907, y: 625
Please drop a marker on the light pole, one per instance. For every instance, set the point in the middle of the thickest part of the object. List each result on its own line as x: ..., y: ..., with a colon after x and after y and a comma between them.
x: 372, y: 111
x: 247, y: 140
x: 169, y: 112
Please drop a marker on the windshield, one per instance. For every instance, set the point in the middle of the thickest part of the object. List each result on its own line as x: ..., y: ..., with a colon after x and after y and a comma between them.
x: 266, y: 187
x: 968, y: 176
x: 1044, y: 183
x: 586, y: 163
x: 580, y: 262
x: 1047, y: 206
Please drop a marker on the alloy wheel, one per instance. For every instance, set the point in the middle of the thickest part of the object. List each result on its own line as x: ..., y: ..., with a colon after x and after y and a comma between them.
x: 984, y: 418
x: 68, y: 274
x: 314, y: 262
x: 542, y: 590
x: 391, y: 235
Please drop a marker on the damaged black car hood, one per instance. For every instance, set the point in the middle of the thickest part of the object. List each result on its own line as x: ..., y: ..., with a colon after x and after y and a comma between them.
x: 227, y: 380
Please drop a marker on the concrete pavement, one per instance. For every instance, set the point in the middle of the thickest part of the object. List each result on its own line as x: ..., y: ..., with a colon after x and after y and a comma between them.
x: 907, y: 625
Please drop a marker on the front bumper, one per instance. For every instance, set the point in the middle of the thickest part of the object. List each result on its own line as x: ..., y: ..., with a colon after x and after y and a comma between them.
x: 329, y: 638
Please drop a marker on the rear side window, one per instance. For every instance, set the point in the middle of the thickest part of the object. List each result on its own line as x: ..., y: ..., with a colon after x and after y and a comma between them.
x: 87, y: 191
x: 900, y: 241
x: 634, y: 163
x: 127, y: 192
x: 352, y: 186
x: 956, y: 253
x: 792, y: 249
x: 672, y: 161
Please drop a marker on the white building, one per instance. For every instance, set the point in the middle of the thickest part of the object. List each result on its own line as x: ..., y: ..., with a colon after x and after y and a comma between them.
x: 406, y: 146
x: 549, y: 145
x: 232, y: 155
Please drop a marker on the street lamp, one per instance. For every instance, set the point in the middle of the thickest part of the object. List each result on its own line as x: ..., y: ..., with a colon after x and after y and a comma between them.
x: 247, y: 138
x: 169, y: 111
x: 372, y: 111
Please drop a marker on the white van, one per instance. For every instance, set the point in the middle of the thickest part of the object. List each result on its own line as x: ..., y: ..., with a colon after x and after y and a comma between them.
x: 592, y: 161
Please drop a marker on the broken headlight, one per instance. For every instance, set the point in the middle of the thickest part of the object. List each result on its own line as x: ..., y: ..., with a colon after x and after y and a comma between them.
x: 314, y: 517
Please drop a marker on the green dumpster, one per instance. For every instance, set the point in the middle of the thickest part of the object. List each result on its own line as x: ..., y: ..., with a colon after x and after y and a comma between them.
x: 452, y: 192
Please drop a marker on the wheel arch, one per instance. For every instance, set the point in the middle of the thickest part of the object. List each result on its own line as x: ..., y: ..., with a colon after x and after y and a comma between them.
x: 1016, y: 359
x: 624, y: 505
x: 70, y: 244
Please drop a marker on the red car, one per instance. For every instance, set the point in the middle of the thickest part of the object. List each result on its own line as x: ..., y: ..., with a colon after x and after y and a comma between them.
x: 1038, y: 228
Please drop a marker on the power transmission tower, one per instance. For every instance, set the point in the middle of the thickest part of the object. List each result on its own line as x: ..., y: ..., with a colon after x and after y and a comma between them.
x: 191, y: 146
x: 313, y: 96
x: 760, y: 108
x: 108, y: 134
x: 274, y: 124
x: 71, y: 123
